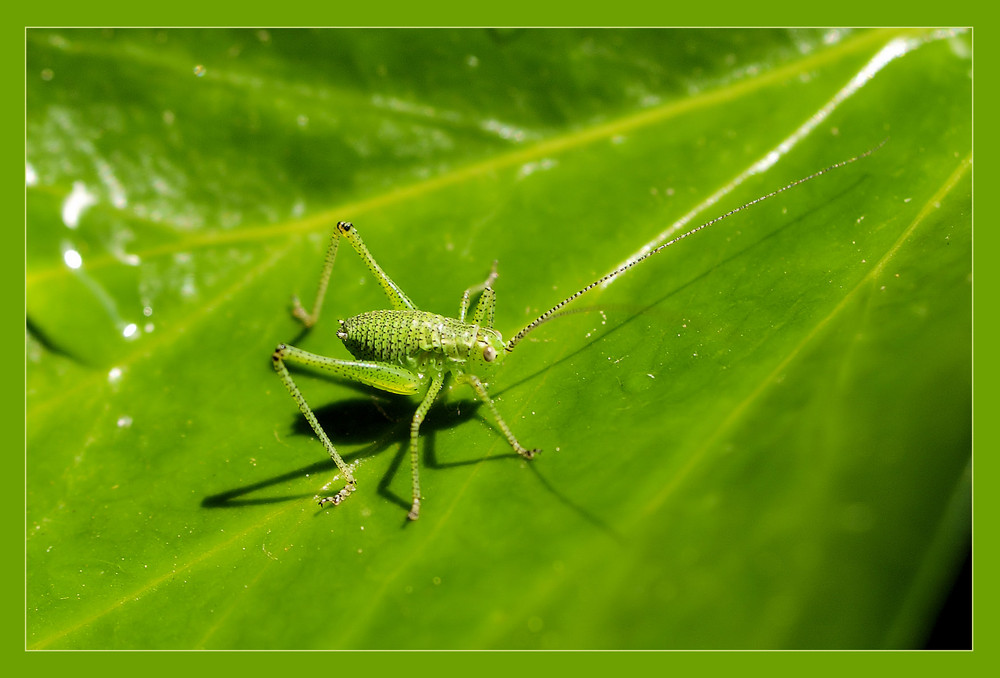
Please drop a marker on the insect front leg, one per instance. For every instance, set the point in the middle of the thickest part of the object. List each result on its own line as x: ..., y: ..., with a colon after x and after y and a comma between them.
x: 484, y: 286
x: 480, y: 390
x: 389, y: 378
x: 345, y: 229
x: 418, y: 418
x: 483, y: 313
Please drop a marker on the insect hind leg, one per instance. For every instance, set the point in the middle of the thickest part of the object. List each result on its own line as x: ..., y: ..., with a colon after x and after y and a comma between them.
x: 397, y: 298
x: 386, y: 377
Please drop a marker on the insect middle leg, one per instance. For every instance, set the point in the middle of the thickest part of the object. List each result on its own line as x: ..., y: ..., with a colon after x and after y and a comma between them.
x: 385, y: 377
x: 418, y: 418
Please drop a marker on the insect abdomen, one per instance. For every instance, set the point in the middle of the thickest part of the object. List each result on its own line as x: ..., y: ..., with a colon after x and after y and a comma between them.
x: 402, y: 336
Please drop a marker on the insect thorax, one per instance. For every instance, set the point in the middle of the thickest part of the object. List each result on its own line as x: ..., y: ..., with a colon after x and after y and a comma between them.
x: 403, y: 337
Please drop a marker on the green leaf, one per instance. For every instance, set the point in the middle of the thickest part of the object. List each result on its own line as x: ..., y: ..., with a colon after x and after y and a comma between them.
x: 759, y: 438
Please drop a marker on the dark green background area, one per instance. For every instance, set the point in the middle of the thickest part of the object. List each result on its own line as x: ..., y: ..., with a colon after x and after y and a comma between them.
x: 759, y: 439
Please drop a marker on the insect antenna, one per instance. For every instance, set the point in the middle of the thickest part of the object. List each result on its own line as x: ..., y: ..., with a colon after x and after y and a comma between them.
x: 618, y: 271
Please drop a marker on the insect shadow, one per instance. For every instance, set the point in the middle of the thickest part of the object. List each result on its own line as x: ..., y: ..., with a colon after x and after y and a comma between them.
x: 384, y: 423
x: 336, y: 419
x: 381, y: 422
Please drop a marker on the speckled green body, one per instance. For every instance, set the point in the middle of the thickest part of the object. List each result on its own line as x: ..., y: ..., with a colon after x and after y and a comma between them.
x: 420, y: 340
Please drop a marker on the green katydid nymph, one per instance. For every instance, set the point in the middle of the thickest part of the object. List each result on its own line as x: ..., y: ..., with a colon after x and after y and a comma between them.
x: 408, y: 351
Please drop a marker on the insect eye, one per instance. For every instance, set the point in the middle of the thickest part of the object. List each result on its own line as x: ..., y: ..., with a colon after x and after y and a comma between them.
x: 489, y: 353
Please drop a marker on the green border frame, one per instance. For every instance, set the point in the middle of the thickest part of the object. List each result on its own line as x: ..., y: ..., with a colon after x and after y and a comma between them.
x: 516, y: 12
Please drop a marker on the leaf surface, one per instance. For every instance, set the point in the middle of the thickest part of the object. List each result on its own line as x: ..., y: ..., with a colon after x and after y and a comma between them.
x: 759, y: 438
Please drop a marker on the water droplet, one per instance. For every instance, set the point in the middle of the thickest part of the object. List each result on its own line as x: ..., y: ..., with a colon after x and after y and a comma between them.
x: 130, y: 330
x: 79, y: 200
x: 530, y: 168
x: 114, y: 374
x: 124, y: 421
x: 504, y: 131
x: 199, y: 70
x: 47, y: 74
x: 73, y: 259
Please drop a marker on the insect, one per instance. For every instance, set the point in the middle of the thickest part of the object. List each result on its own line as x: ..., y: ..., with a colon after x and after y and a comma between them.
x: 408, y: 351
